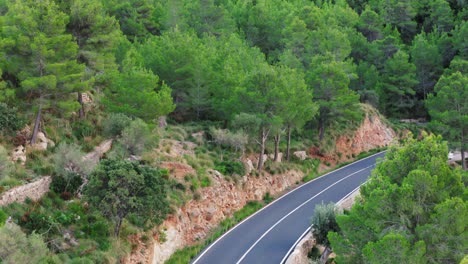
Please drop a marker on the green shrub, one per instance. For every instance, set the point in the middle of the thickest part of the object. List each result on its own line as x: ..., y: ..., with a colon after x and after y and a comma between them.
x: 3, y: 217
x: 136, y: 137
x: 205, y: 181
x: 114, y: 124
x: 235, y: 140
x: 267, y: 198
x: 16, y: 247
x: 10, y: 122
x: 70, y: 182
x: 68, y: 158
x: 324, y: 221
x: 230, y: 167
x: 314, y: 253
x: 82, y: 129
x: 6, y: 167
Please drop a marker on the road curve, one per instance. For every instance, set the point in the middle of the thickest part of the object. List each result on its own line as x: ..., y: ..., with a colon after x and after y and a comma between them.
x: 268, y: 235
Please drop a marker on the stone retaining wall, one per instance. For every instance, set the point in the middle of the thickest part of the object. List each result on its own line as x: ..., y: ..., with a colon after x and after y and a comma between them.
x: 34, y: 190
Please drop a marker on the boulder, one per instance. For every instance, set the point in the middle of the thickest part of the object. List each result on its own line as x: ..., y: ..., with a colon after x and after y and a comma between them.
x: 42, y: 142
x: 19, y: 154
x: 249, y: 167
x: 280, y: 156
x: 301, y: 155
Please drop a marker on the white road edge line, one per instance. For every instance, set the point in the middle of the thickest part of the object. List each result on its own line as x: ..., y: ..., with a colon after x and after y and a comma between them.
x: 276, y: 200
x: 294, y: 245
x: 308, y: 229
x: 295, y: 209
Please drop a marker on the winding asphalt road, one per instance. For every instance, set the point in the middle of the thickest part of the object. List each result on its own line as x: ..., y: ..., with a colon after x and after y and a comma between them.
x: 268, y: 235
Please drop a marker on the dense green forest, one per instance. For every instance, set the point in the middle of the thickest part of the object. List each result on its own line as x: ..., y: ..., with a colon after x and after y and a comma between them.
x: 218, y: 59
x: 266, y: 70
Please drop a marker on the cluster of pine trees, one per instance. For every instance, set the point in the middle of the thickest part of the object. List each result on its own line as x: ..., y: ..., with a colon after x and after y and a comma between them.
x: 215, y: 60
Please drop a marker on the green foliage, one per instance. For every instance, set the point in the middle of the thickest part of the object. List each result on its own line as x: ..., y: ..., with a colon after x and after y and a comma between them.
x: 136, y: 137
x: 137, y: 189
x: 3, y: 217
x: 324, y: 221
x: 230, y: 167
x: 114, y: 124
x: 449, y: 107
x: 68, y: 158
x: 6, y: 167
x: 397, y: 90
x: 267, y: 198
x: 10, y: 122
x: 16, y: 247
x: 407, y: 196
x: 148, y: 100
x: 235, y: 140
x: 83, y: 129
x: 66, y: 183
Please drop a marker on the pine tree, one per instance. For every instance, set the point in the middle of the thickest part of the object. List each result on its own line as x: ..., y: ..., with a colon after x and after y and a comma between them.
x: 42, y: 56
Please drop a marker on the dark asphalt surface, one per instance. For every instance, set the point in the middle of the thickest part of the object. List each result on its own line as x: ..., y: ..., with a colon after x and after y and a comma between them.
x: 285, y: 220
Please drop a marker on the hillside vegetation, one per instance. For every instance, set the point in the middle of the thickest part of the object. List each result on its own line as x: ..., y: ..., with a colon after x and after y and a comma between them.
x: 237, y: 78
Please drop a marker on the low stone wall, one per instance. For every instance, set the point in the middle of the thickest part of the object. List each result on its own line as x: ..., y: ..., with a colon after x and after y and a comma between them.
x: 34, y: 190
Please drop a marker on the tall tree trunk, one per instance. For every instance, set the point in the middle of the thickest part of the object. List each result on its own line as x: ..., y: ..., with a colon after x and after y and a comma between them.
x: 321, y: 129
x: 117, y: 226
x: 36, y: 125
x: 463, y: 158
x: 80, y: 100
x: 288, y: 144
x: 277, y: 141
x: 263, y: 137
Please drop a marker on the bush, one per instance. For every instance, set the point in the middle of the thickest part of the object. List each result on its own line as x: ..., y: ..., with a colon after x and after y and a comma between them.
x: 9, y: 119
x: 3, y: 217
x: 324, y: 221
x: 115, y: 124
x: 230, y: 167
x: 69, y: 182
x: 234, y: 140
x: 6, y: 167
x: 68, y: 158
x: 136, y: 137
x: 82, y: 129
x: 16, y: 247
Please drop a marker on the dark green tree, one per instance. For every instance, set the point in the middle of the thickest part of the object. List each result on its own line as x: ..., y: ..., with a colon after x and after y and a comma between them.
x: 118, y: 188
x: 137, y: 18
x: 398, y: 83
x: 137, y: 92
x: 336, y: 102
x: 426, y: 57
x: 41, y: 56
x: 97, y: 35
x: 448, y: 107
x: 390, y: 221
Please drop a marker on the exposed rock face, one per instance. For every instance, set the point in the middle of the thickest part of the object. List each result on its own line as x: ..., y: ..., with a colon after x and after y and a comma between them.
x: 299, y: 255
x: 34, y: 190
x: 301, y: 155
x: 280, y: 157
x: 42, y: 142
x: 19, y: 154
x: 371, y: 134
x: 99, y: 151
x: 249, y: 167
x: 193, y: 221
